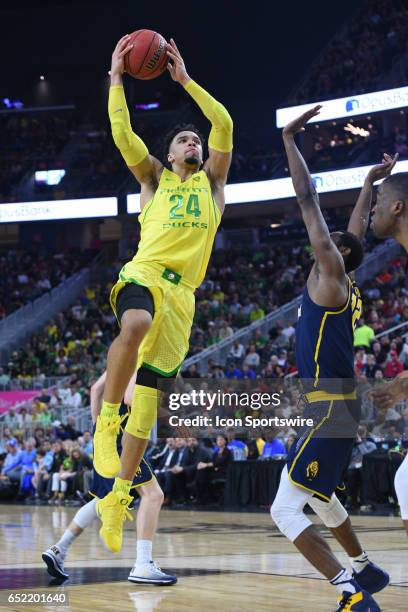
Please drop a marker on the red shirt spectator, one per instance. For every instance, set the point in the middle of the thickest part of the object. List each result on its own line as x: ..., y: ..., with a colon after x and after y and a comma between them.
x: 393, y: 366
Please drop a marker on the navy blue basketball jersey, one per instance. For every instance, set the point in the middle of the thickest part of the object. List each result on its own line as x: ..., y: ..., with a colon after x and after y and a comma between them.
x: 324, y: 339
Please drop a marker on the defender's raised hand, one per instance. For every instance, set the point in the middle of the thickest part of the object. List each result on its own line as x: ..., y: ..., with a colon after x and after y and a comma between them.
x: 176, y: 66
x: 381, y: 171
x: 297, y: 125
x: 388, y: 394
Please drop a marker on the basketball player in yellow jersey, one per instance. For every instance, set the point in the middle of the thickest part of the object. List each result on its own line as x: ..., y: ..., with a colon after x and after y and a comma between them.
x: 154, y: 297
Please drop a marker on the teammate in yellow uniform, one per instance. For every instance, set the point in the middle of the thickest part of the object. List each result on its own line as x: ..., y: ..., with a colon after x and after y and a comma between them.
x: 154, y: 297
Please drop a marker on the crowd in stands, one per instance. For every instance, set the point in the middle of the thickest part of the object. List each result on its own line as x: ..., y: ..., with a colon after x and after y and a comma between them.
x: 26, y: 274
x: 74, y: 345
x: 53, y: 463
x: 30, y: 142
x: 361, y: 53
x: 241, y: 287
x: 354, y: 62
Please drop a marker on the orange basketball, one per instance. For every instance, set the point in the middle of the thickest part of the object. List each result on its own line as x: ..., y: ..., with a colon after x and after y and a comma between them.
x: 148, y: 58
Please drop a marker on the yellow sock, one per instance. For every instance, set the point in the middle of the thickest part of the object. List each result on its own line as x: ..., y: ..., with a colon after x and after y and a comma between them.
x: 109, y: 409
x: 122, y: 486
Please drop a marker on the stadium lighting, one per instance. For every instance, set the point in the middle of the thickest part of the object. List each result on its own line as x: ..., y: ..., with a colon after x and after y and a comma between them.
x: 49, y: 177
x: 42, y: 77
x: 149, y: 106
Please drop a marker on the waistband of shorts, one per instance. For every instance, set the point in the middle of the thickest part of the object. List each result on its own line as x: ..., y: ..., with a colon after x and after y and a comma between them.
x: 169, y: 275
x: 324, y: 396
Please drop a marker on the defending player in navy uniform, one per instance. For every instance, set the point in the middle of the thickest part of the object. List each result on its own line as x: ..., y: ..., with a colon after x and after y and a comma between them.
x: 330, y: 308
x: 390, y: 220
x: 145, y: 570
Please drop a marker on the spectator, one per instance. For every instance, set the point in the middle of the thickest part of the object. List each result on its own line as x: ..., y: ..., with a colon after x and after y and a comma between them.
x: 27, y: 467
x: 191, y: 372
x: 24, y: 418
x: 370, y: 368
x: 394, y: 366
x: 209, y: 471
x: 252, y: 358
x: 273, y: 447
x: 43, y: 466
x: 256, y: 313
x: 73, y: 467
x: 238, y: 448
x: 12, y: 463
x: 86, y: 444
x: 363, y: 334
x: 182, y: 473
x: 73, y: 399
x: 362, y: 446
x: 237, y: 351
x: 164, y: 462
x: 70, y: 431
x: 11, y: 419
x: 4, y: 379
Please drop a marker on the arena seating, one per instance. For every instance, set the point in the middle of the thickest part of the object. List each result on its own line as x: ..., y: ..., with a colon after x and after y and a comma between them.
x: 27, y: 274
x: 358, y: 56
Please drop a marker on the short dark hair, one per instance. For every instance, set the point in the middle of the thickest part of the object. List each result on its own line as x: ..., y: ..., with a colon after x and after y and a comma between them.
x: 356, y: 255
x: 399, y: 184
x: 169, y: 137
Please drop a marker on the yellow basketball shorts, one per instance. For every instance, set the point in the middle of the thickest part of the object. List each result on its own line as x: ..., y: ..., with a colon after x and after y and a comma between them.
x: 164, y: 347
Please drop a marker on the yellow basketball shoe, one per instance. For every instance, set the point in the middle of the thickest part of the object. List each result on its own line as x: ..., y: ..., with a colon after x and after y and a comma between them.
x: 106, y: 458
x: 113, y: 511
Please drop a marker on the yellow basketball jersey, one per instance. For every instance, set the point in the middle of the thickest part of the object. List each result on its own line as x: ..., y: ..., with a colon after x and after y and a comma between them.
x: 178, y: 226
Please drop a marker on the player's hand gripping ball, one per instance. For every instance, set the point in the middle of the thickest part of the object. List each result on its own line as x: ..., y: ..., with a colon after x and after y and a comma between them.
x: 148, y: 58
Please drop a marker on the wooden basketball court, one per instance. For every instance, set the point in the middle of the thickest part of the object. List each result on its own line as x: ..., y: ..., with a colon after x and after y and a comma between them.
x: 223, y: 560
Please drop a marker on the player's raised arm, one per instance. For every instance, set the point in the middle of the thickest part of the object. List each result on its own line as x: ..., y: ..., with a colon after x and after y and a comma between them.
x: 326, y: 254
x: 145, y: 167
x: 359, y: 219
x: 220, y: 139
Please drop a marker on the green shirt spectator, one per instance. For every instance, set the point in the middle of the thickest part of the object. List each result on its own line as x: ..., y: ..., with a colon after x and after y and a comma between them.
x: 257, y: 313
x: 363, y: 334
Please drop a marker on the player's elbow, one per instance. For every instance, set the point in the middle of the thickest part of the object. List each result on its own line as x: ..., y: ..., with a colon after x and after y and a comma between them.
x: 223, y: 119
x: 120, y: 137
x: 307, y: 196
x: 228, y: 123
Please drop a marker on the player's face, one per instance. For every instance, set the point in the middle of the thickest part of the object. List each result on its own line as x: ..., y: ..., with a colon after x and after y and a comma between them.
x: 186, y: 148
x: 382, y: 220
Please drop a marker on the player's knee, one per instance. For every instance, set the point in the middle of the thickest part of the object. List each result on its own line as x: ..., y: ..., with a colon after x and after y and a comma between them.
x: 144, y: 412
x: 289, y: 518
x: 155, y: 495
x: 134, y: 326
x: 332, y: 513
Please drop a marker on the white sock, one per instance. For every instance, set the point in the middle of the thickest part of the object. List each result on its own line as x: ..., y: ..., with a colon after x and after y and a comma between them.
x: 86, y: 514
x: 65, y: 542
x: 360, y: 562
x: 343, y: 582
x: 143, y: 552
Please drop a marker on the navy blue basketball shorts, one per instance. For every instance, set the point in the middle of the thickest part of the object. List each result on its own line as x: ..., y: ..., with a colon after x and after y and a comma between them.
x: 102, y: 486
x: 319, y: 457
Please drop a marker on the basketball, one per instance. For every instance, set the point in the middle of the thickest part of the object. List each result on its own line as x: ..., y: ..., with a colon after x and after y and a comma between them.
x: 148, y: 58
